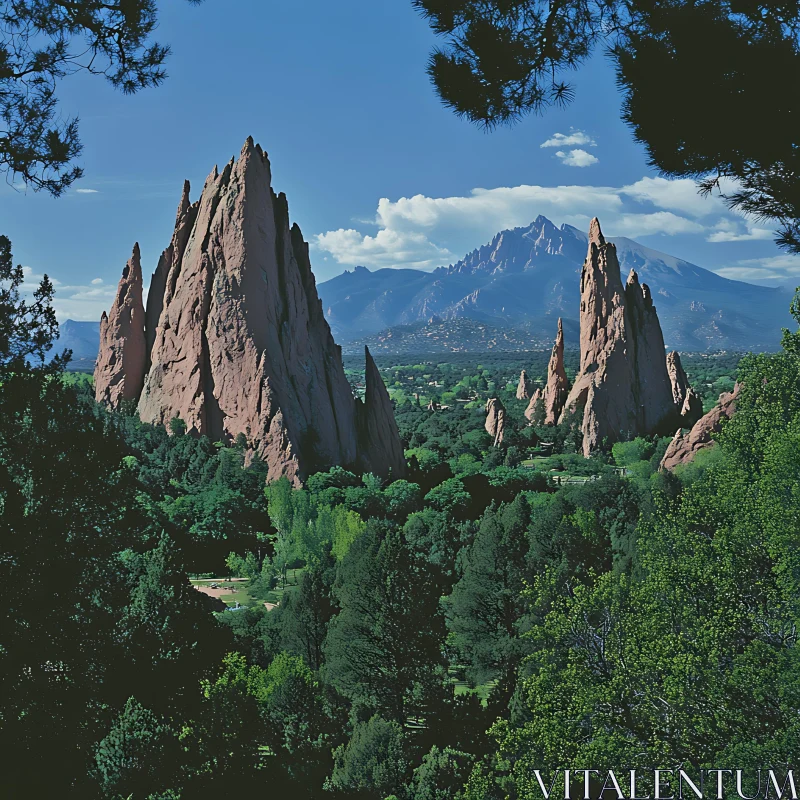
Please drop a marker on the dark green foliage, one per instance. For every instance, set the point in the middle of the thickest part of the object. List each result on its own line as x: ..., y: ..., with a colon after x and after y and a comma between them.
x: 96, y: 606
x: 306, y: 612
x: 374, y: 761
x: 377, y: 654
x: 139, y: 755
x: 441, y: 775
x: 485, y: 607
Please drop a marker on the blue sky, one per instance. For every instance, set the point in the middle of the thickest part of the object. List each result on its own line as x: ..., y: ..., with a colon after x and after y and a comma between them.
x: 376, y: 170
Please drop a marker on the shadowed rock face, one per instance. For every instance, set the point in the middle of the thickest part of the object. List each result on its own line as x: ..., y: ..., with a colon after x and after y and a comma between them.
x: 238, y: 343
x: 495, y: 420
x: 685, y: 446
x: 687, y: 402
x: 557, y: 389
x: 120, y: 368
x: 523, y: 387
x: 623, y: 385
x: 379, y: 440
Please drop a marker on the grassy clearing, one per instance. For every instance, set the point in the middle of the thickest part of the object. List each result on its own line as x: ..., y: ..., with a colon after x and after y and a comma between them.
x: 483, y: 690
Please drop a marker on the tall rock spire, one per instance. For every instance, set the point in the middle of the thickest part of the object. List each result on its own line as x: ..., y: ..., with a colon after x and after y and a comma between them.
x: 557, y: 388
x: 495, y: 424
x: 687, y: 402
x: 380, y: 450
x: 534, y: 413
x: 120, y: 367
x: 524, y: 386
x: 236, y: 341
x: 652, y: 387
x: 623, y: 385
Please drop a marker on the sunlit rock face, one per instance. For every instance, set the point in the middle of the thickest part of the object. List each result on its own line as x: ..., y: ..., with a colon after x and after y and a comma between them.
x: 623, y: 385
x: 121, y: 362
x: 236, y: 343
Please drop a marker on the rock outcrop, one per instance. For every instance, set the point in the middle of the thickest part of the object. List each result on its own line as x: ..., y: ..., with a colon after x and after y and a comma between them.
x: 623, y: 385
x: 378, y: 437
x: 495, y: 420
x: 535, y: 406
x: 557, y: 389
x: 237, y: 342
x: 685, y: 446
x: 169, y: 264
x: 121, y: 362
x: 523, y: 387
x: 687, y: 402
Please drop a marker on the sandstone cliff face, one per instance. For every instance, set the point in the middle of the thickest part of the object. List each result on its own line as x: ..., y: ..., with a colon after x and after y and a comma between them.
x: 119, y: 371
x: 379, y: 440
x: 623, y: 385
x: 687, y: 402
x: 557, y: 389
x: 237, y: 343
x: 495, y: 420
x: 523, y: 387
x: 685, y: 446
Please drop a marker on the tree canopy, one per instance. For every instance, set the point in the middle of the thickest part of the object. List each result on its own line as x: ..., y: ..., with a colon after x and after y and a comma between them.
x: 44, y: 41
x: 701, y: 82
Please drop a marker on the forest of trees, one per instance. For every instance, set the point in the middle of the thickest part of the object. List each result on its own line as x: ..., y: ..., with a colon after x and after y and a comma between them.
x: 440, y: 636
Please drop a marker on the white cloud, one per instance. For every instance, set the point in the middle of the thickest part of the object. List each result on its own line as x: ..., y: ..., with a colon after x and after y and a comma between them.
x: 675, y: 195
x: 97, y: 281
x: 387, y: 248
x: 664, y: 222
x: 734, y: 230
x: 788, y: 262
x: 574, y: 137
x: 576, y: 158
x: 749, y: 274
x: 783, y: 268
x: 87, y: 191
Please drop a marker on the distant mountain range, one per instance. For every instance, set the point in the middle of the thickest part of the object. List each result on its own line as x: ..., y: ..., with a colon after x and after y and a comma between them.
x: 528, y: 277
x: 83, y: 338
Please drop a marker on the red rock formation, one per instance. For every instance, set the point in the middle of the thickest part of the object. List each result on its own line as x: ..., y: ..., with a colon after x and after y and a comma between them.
x: 652, y: 387
x: 240, y: 344
x: 535, y: 406
x: 119, y: 371
x: 523, y: 387
x: 495, y: 420
x: 685, y: 446
x: 557, y: 389
x: 687, y: 402
x: 169, y: 263
x: 379, y: 447
x: 623, y: 385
